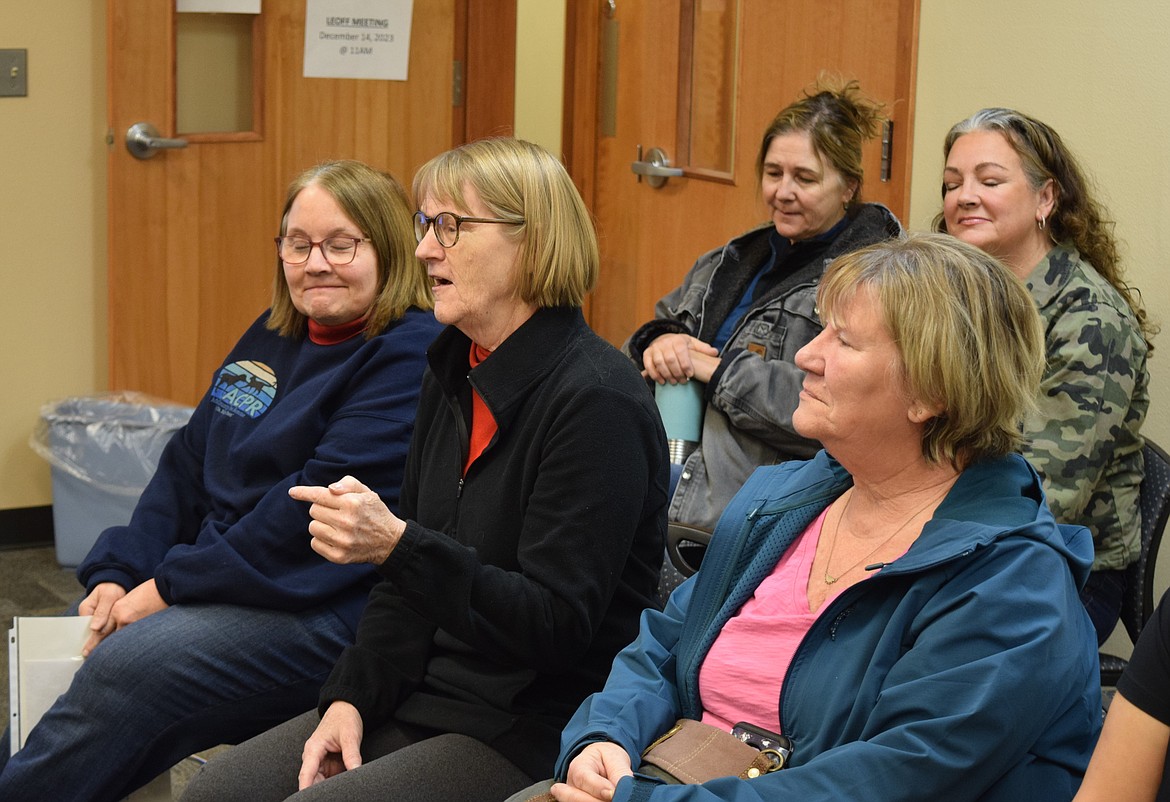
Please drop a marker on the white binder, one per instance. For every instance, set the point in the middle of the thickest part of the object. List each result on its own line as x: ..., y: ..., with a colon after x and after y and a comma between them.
x: 43, y: 655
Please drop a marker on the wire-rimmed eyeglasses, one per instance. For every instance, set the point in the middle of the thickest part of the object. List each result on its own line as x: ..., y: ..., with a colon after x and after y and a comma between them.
x: 446, y: 226
x: 338, y: 251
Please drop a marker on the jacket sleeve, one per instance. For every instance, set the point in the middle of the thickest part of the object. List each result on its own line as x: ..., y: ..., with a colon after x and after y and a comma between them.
x: 388, y: 658
x: 640, y: 700
x: 573, y: 543
x: 1094, y: 355
x: 675, y: 312
x: 170, y: 510
x: 759, y: 397
x: 976, y: 688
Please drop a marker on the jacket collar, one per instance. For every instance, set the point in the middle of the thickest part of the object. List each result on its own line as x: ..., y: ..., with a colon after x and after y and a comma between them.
x: 522, y: 361
x: 989, y: 500
x: 872, y: 222
x: 1049, y: 278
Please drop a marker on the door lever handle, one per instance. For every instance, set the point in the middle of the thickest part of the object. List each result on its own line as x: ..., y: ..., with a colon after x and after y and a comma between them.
x: 143, y: 141
x: 656, y: 167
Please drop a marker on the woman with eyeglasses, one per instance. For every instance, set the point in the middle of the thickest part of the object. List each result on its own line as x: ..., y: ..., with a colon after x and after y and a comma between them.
x: 212, y: 618
x: 530, y: 530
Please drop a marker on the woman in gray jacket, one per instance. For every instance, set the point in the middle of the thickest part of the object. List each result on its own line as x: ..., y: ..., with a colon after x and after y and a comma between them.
x: 744, y: 310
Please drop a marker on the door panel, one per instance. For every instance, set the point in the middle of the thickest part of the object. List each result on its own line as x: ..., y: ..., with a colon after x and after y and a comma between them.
x: 650, y: 237
x: 191, y: 259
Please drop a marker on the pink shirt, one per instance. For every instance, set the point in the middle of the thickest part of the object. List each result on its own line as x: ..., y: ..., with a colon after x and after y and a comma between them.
x: 742, y: 674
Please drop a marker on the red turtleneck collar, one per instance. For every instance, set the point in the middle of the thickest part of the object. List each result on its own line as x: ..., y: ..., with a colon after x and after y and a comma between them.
x: 332, y: 335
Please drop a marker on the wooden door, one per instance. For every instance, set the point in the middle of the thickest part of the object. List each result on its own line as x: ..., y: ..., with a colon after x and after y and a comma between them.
x: 651, y: 236
x: 191, y: 258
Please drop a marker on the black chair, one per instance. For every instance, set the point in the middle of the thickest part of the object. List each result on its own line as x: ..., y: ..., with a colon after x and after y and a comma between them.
x: 669, y: 578
x: 1138, y: 603
x: 684, y: 551
x: 685, y: 546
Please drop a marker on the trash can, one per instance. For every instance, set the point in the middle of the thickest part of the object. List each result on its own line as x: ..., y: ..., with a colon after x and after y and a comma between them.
x: 102, y: 451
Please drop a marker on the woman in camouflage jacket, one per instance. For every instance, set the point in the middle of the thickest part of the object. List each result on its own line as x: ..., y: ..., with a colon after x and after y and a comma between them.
x: 1011, y: 187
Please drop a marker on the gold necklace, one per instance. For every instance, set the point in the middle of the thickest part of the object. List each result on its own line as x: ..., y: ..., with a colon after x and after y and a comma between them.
x: 829, y: 580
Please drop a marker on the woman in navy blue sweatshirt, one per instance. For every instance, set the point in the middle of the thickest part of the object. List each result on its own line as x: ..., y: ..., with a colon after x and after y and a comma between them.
x: 213, y: 619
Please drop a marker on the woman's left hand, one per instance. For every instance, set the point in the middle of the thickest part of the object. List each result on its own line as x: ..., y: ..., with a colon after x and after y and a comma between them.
x: 677, y: 357
x: 350, y: 523
x: 593, y: 774
x: 144, y: 600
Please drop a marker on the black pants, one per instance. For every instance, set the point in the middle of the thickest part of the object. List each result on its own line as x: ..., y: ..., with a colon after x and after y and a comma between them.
x: 1102, y: 597
x: 398, y: 763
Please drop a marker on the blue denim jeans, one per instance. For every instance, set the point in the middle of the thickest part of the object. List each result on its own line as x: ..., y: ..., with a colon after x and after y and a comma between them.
x: 181, y: 680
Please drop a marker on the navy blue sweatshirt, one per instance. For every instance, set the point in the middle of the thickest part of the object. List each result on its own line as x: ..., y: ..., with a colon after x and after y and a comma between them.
x: 215, y: 524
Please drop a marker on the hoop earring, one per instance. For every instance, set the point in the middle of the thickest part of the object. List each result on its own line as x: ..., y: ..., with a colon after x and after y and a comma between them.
x: 1042, y: 221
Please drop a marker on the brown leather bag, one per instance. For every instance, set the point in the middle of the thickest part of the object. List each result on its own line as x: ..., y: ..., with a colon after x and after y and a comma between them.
x: 691, y: 753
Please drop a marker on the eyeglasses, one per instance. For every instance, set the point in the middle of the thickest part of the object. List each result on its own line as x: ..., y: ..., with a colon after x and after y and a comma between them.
x: 338, y: 251
x: 446, y: 225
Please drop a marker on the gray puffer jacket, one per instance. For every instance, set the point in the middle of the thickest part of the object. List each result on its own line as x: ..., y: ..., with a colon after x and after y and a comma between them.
x: 753, y: 393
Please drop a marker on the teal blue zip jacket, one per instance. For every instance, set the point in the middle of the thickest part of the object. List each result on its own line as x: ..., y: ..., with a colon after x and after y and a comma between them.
x: 966, y: 669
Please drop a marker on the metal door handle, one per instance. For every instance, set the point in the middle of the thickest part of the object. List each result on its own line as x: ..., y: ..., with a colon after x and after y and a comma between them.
x: 143, y: 141
x: 656, y: 167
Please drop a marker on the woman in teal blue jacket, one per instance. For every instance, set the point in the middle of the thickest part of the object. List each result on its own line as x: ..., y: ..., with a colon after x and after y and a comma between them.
x: 944, y: 652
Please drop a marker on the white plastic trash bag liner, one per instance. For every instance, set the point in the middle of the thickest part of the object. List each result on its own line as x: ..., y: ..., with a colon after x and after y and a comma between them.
x: 103, y: 449
x: 111, y: 441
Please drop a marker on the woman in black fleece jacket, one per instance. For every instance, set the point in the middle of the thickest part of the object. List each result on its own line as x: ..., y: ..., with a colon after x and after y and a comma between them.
x: 532, y: 516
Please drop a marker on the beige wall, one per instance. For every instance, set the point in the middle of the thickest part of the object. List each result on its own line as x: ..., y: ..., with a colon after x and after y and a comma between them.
x: 52, y: 228
x: 540, y: 41
x: 1099, y: 73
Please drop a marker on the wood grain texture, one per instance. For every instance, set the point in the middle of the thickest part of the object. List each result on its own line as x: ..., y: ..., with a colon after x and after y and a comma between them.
x: 650, y: 237
x: 190, y: 240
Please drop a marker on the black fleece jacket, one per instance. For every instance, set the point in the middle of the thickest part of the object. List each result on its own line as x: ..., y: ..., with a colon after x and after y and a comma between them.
x: 514, y: 587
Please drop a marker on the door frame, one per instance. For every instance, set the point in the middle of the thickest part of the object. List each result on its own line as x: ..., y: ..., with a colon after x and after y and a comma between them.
x: 486, y: 32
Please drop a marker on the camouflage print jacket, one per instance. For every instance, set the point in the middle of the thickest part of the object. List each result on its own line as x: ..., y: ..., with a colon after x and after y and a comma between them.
x: 1085, y: 439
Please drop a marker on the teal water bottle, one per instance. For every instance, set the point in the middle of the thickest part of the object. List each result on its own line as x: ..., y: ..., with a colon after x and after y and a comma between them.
x: 681, y: 408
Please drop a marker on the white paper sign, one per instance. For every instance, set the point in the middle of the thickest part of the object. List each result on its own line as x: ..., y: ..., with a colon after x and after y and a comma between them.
x: 357, y: 38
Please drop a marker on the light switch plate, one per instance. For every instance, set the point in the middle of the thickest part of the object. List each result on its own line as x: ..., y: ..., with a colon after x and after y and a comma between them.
x: 14, y: 73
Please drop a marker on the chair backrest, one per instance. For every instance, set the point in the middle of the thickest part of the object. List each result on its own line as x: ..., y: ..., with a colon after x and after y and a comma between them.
x: 1138, y: 604
x: 669, y: 578
x: 685, y: 546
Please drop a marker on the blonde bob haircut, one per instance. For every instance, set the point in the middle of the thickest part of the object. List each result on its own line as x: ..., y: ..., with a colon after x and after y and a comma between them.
x: 969, y: 335
x: 378, y: 205
x: 558, y: 259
